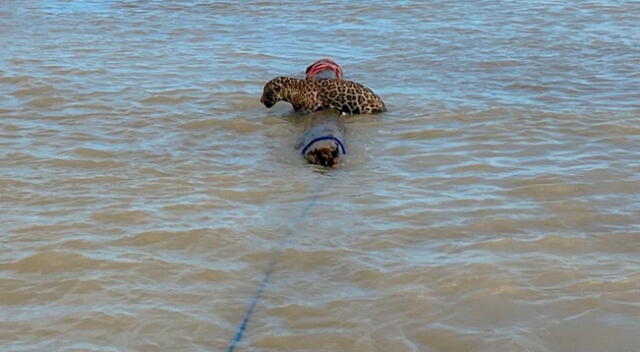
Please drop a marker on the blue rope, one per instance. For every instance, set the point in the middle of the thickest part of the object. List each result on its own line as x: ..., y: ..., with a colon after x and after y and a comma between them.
x: 324, y: 138
x: 252, y: 306
x: 270, y: 269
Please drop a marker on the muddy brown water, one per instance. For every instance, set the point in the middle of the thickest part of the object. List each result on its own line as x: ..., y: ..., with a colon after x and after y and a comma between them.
x: 144, y: 190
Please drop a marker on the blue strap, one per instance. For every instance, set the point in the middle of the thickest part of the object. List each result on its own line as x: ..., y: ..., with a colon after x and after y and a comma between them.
x: 324, y: 138
x: 272, y: 265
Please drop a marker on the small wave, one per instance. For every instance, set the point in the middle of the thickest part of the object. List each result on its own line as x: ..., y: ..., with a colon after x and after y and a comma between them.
x: 51, y: 261
x: 167, y: 99
x: 122, y: 217
x: 48, y: 102
x: 240, y: 125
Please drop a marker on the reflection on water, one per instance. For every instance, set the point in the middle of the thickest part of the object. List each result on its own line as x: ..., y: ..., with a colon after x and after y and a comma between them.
x: 144, y: 190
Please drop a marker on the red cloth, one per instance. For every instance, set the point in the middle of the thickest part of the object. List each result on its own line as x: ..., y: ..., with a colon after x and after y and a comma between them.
x: 324, y: 65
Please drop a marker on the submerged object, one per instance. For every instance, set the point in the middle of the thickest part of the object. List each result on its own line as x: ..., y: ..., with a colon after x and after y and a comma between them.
x: 322, y: 142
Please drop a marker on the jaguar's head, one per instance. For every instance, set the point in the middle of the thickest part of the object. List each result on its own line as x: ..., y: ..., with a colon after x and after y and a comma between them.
x: 274, y: 91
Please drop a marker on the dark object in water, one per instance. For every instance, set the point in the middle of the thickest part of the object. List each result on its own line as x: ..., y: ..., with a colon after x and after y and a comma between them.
x: 322, y: 142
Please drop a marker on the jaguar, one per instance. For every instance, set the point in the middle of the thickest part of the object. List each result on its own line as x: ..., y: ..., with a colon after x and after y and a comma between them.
x: 308, y: 95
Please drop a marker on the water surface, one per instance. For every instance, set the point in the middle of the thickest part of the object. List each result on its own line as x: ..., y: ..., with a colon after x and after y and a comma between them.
x: 144, y: 190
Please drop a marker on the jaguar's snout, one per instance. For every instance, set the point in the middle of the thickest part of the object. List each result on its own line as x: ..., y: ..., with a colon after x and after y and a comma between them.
x: 268, y: 100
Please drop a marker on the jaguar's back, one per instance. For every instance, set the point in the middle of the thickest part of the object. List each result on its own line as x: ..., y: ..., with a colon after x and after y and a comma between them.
x: 347, y: 96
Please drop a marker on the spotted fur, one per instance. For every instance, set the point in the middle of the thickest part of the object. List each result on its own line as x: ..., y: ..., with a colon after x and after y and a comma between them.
x: 318, y: 94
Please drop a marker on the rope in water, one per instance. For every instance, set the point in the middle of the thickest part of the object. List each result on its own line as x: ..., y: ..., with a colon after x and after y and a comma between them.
x: 242, y: 327
x: 324, y: 138
x: 312, y: 70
